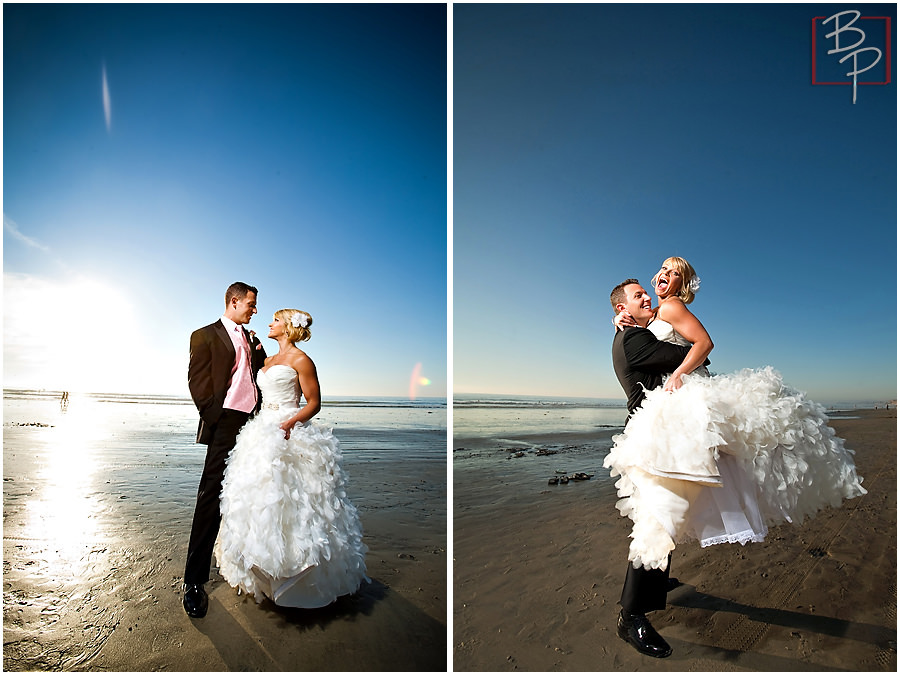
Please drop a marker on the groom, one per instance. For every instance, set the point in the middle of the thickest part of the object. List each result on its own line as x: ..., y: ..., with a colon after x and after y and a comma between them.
x: 640, y: 360
x: 222, y: 380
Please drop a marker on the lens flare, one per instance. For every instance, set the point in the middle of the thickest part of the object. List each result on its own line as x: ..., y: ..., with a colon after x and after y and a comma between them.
x: 416, y: 380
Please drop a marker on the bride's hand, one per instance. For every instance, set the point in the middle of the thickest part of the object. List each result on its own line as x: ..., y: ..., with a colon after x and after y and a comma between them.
x: 623, y: 320
x: 286, y: 428
x: 674, y: 382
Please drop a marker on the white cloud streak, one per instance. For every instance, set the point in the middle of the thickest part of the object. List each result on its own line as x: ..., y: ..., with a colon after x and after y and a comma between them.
x: 10, y: 227
x: 107, y: 105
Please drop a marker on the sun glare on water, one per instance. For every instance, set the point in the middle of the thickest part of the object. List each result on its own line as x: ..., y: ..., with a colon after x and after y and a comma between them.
x: 65, y: 511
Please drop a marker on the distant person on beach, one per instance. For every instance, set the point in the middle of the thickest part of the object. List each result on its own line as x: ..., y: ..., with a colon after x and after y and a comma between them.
x: 716, y: 459
x: 288, y: 531
x: 224, y: 361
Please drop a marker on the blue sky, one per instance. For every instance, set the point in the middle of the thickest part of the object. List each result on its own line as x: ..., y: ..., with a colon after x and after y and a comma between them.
x: 299, y: 148
x: 593, y: 141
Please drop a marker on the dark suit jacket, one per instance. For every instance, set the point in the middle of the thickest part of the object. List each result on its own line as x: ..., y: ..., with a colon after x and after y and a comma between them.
x: 209, y: 372
x: 640, y: 359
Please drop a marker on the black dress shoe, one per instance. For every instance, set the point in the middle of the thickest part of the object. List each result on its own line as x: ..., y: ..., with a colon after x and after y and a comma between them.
x: 195, y: 600
x: 636, y: 630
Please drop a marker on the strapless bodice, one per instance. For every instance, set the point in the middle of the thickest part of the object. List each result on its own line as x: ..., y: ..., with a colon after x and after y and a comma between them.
x: 666, y: 333
x: 280, y: 387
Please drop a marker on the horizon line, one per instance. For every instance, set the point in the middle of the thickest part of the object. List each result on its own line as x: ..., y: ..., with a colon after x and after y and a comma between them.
x: 832, y: 403
x: 188, y: 398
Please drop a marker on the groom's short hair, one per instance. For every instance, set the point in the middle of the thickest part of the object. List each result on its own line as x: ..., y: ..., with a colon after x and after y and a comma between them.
x: 618, y: 293
x: 239, y: 290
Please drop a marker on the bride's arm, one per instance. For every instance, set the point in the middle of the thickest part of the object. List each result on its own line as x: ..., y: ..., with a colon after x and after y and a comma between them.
x: 687, y: 325
x: 624, y: 320
x: 309, y: 385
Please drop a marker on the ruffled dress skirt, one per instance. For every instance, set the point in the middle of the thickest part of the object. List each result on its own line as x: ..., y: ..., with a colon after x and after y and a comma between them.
x: 721, y: 459
x: 288, y: 531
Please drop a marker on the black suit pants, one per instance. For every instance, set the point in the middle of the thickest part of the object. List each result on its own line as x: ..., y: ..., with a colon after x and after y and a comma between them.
x: 645, y: 590
x: 207, y: 514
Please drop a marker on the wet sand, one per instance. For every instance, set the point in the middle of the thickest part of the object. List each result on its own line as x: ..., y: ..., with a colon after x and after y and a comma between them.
x: 92, y: 576
x: 538, y: 571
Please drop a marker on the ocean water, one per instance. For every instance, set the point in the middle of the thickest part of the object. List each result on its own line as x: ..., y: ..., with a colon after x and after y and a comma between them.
x: 522, y: 441
x: 97, y: 458
x: 174, y: 419
x: 486, y: 417
x: 482, y: 417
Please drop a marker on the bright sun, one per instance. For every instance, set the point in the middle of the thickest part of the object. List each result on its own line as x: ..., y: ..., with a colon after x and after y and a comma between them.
x: 77, y: 335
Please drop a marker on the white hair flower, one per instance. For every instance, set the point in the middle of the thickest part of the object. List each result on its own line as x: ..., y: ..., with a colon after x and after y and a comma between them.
x: 694, y: 284
x: 299, y: 320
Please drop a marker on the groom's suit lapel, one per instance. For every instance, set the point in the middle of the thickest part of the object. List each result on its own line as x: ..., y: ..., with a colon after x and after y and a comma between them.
x: 222, y: 332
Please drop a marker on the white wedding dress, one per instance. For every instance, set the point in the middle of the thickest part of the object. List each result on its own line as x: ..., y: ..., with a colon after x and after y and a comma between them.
x: 722, y: 458
x: 288, y: 531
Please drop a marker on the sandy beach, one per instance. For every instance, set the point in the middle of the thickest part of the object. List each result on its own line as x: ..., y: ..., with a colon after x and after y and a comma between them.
x: 92, y: 562
x: 538, y: 570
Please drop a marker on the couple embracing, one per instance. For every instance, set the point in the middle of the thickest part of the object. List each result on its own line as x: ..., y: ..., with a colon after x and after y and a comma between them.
x: 271, y: 504
x: 715, y: 459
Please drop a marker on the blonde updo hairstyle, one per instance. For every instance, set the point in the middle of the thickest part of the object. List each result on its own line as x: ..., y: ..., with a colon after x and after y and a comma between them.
x: 295, y: 333
x: 687, y: 273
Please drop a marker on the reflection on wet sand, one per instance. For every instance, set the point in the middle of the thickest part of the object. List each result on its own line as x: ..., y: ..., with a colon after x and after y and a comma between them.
x: 54, y: 541
x: 60, y: 510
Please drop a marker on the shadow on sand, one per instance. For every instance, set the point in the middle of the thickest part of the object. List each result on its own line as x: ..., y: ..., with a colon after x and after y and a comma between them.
x: 373, y: 629
x: 879, y: 637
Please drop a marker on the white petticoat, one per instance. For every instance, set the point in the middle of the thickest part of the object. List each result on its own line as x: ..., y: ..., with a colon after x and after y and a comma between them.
x: 723, y: 457
x: 288, y: 530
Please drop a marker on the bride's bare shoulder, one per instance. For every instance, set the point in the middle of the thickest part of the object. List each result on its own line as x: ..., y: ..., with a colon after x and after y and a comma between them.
x: 301, y: 362
x: 671, y: 308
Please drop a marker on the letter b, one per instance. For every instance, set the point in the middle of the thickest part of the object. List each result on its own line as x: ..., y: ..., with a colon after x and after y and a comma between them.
x: 838, y: 29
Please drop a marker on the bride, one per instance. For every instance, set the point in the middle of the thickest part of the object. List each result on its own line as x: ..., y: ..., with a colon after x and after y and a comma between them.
x: 288, y: 530
x: 717, y: 459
